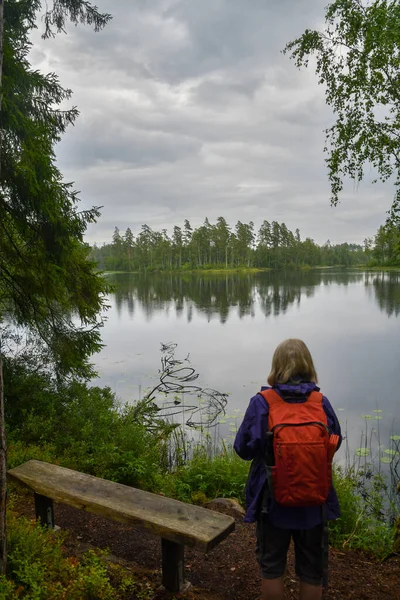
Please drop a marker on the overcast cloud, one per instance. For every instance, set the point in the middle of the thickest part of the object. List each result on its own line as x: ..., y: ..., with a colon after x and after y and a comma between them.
x: 189, y: 110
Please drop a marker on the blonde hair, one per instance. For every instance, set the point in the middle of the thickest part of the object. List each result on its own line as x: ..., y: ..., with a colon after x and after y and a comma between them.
x: 292, y: 358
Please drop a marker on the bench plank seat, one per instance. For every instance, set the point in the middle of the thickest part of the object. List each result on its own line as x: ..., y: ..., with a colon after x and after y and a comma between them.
x: 177, y: 523
x: 170, y: 519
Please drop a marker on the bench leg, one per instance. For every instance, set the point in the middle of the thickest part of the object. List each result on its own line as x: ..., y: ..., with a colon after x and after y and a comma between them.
x: 173, y: 567
x: 44, y: 510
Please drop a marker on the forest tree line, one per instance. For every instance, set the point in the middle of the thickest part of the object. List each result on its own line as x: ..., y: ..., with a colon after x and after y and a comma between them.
x: 218, y: 246
x: 384, y: 248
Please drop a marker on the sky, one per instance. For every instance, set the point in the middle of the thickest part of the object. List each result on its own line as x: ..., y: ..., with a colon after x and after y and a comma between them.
x: 189, y: 109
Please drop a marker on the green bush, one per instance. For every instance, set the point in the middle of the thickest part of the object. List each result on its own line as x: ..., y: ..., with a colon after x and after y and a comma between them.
x: 83, y: 428
x: 38, y: 570
x: 362, y: 522
x: 205, y: 477
x: 19, y: 452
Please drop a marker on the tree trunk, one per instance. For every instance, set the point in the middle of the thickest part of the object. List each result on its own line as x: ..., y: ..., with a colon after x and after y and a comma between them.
x: 3, y: 446
x: 3, y: 474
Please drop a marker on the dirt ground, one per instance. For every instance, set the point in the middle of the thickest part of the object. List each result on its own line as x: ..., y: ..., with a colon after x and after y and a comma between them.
x: 229, y: 571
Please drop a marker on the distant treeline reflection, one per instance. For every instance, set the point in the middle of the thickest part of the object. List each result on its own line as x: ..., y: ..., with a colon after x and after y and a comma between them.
x: 239, y: 293
x: 386, y: 287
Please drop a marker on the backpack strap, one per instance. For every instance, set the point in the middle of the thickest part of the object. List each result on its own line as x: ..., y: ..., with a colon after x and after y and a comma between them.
x: 271, y: 396
x: 315, y: 398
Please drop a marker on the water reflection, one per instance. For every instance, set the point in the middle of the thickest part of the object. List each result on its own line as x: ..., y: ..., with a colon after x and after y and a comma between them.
x: 386, y: 288
x: 231, y: 324
x: 223, y: 295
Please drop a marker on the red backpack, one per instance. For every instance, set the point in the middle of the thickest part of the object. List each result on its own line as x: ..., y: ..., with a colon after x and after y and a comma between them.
x: 303, y: 450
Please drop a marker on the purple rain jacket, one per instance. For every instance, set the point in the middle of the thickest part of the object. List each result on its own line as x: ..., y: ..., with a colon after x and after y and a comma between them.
x: 250, y: 444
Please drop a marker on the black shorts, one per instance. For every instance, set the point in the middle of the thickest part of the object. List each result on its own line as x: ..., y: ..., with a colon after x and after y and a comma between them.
x: 273, y: 544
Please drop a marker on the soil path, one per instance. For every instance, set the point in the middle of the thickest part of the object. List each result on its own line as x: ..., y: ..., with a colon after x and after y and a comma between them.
x: 229, y: 572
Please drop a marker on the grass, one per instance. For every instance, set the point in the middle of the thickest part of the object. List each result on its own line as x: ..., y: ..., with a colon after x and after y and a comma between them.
x: 362, y: 523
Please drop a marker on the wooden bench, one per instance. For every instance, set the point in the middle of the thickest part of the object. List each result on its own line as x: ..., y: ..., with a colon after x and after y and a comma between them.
x: 177, y: 523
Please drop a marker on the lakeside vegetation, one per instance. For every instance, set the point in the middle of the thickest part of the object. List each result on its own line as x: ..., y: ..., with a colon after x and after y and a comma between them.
x: 384, y: 248
x: 85, y: 428
x: 218, y: 247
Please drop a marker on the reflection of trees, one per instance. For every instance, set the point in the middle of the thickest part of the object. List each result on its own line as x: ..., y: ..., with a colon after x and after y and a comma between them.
x: 209, y: 295
x: 221, y: 295
x: 276, y: 294
x: 279, y: 290
x: 386, y: 287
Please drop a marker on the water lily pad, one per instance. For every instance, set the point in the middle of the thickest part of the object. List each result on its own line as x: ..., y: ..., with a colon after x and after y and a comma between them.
x: 367, y: 417
x: 377, y: 410
x: 386, y: 460
x: 395, y: 438
x: 392, y: 452
x: 362, y: 452
x: 378, y: 418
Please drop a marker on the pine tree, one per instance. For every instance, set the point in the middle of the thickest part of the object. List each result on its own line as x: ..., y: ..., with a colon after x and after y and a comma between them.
x: 129, y: 243
x: 45, y: 273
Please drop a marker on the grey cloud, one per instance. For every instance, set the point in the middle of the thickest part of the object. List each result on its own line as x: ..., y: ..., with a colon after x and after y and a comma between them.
x: 178, y: 40
x: 99, y: 145
x: 189, y: 109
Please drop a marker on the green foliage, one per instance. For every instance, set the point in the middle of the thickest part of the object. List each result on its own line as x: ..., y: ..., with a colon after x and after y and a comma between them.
x: 362, y: 522
x: 48, y: 284
x: 207, y: 476
x: 20, y: 452
x: 81, y: 427
x: 128, y: 586
x: 358, y: 61
x: 386, y: 246
x: 38, y: 569
x: 77, y: 11
x: 217, y: 247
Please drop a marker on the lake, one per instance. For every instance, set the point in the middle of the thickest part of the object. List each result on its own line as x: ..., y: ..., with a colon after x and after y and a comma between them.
x: 230, y: 325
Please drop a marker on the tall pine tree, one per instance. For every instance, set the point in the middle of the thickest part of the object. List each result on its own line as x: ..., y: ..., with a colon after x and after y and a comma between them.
x: 46, y: 279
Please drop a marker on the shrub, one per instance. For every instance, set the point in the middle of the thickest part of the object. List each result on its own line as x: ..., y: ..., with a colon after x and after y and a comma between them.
x: 206, y: 477
x: 19, y: 452
x: 83, y: 428
x: 362, y: 522
x: 37, y: 568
